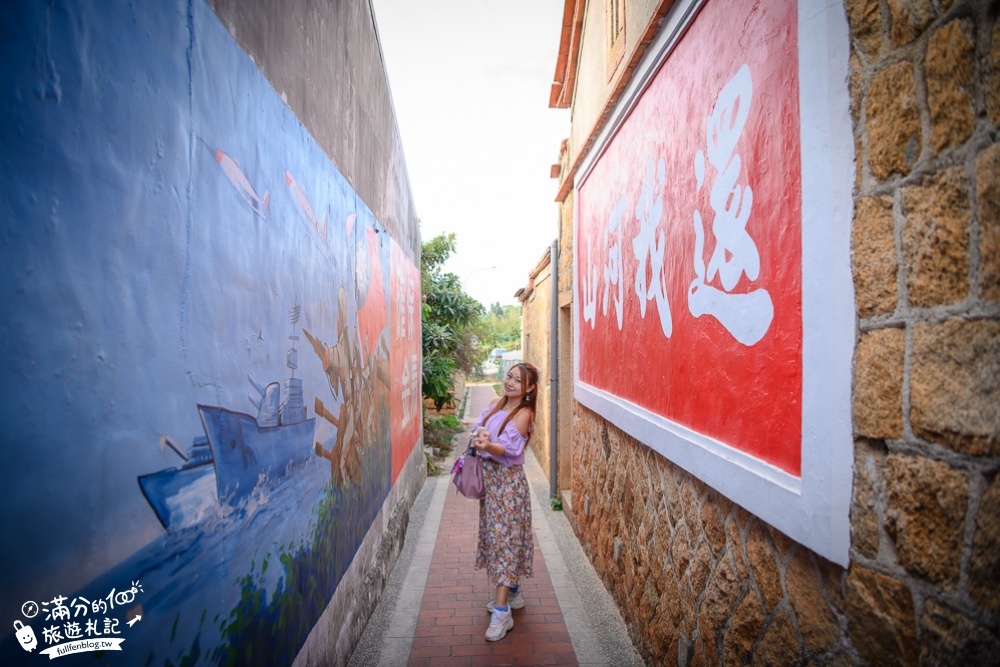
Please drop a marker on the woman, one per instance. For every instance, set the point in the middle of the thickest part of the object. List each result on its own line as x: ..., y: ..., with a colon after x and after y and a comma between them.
x: 505, y: 543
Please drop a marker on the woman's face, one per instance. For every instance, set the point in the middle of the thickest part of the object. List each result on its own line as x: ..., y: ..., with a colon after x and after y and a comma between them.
x: 513, y: 385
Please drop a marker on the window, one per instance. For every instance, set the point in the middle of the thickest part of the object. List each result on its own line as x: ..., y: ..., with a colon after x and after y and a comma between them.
x: 616, y: 34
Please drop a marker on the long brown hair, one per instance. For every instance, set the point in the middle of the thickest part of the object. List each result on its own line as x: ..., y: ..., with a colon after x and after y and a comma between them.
x: 529, y: 376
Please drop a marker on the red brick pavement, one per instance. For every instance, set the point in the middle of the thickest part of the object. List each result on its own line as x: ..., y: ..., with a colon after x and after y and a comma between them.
x: 453, y: 616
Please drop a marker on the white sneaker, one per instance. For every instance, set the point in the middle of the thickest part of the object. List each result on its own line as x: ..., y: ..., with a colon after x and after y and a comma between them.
x: 515, y: 600
x: 500, y: 623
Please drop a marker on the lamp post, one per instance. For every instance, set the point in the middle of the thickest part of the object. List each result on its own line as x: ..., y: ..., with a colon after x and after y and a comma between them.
x: 465, y: 280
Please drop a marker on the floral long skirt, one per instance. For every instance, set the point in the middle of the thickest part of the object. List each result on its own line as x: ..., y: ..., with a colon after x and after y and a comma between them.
x: 506, y: 548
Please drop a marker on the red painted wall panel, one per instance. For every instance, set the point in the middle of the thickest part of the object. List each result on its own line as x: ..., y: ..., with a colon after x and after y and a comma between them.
x: 689, y: 264
x: 404, y: 362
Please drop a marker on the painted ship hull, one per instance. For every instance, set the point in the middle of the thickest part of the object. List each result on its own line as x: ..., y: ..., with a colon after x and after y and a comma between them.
x: 185, y: 495
x: 244, y: 451
x: 181, y: 497
x: 241, y: 450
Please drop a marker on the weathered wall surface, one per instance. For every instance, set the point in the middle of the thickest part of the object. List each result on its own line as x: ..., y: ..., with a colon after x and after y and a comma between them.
x: 325, y: 61
x: 536, y: 324
x: 565, y: 334
x: 211, y: 301
x: 702, y: 581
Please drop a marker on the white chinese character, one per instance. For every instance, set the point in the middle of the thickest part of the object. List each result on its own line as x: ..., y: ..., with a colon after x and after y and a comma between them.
x: 52, y: 635
x: 410, y: 299
x: 80, y: 606
x: 397, y: 305
x: 613, y: 272
x: 60, y: 612
x: 650, y: 243
x: 589, y: 293
x: 414, y: 405
x: 405, y: 322
x: 746, y: 316
x: 407, y: 381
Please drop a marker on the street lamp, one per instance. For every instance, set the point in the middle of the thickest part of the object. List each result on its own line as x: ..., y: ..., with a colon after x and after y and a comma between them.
x: 465, y: 280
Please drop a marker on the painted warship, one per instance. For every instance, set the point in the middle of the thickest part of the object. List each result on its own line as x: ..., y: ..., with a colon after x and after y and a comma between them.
x: 237, y: 451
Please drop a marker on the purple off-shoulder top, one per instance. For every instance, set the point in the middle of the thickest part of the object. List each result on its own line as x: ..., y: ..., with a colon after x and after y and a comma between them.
x: 511, y: 439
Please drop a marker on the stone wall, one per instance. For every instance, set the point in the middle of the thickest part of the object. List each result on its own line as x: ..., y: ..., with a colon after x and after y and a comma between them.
x: 701, y: 581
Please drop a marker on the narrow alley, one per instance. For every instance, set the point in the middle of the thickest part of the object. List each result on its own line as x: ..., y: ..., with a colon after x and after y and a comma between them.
x: 433, y: 611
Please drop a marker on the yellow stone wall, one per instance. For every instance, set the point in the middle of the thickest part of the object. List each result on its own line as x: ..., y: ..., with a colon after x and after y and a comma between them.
x: 535, y: 326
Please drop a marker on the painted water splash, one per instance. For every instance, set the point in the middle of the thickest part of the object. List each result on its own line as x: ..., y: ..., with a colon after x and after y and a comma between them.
x: 212, y: 595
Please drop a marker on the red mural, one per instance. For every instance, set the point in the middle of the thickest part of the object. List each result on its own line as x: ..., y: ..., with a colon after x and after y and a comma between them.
x: 404, y: 361
x: 371, y: 296
x: 689, y: 264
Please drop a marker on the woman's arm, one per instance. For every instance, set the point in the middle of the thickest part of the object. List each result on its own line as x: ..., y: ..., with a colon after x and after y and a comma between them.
x: 523, y: 420
x: 484, y: 443
x: 492, y: 448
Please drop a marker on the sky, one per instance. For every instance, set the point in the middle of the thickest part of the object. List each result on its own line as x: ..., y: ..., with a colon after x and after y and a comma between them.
x: 470, y: 82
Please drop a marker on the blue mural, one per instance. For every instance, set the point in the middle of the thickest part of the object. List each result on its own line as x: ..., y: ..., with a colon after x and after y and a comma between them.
x: 196, y: 420
x: 237, y: 452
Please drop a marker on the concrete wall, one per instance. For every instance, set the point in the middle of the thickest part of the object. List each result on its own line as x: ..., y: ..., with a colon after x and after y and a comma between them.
x: 211, y: 297
x: 699, y: 579
x: 325, y: 61
x: 536, y: 313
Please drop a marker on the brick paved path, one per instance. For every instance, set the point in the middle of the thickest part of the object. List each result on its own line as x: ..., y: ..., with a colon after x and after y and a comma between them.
x: 453, y: 616
x: 433, y: 608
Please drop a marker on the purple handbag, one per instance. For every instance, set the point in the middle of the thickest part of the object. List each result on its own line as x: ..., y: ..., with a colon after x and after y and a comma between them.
x: 467, y: 475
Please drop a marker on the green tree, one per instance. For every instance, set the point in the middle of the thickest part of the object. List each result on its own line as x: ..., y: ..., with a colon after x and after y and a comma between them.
x: 450, y: 318
x: 504, y: 326
x: 499, y: 327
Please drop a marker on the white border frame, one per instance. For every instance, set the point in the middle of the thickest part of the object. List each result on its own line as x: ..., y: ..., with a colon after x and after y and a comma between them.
x: 814, y: 510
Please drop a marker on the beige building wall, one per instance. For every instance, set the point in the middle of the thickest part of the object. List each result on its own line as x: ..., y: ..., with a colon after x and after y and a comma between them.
x: 565, y: 335
x: 536, y: 313
x: 604, y: 66
x: 536, y: 337
x: 698, y: 579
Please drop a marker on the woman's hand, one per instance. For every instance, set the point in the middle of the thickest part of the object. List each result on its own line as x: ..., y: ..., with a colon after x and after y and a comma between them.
x: 481, y: 440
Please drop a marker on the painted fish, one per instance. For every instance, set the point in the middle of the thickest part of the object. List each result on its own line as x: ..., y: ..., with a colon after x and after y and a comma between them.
x: 304, y: 208
x: 242, y: 185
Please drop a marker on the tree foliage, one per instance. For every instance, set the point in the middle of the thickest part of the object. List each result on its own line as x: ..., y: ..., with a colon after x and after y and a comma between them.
x: 499, y: 327
x: 450, y: 320
x: 503, y: 327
